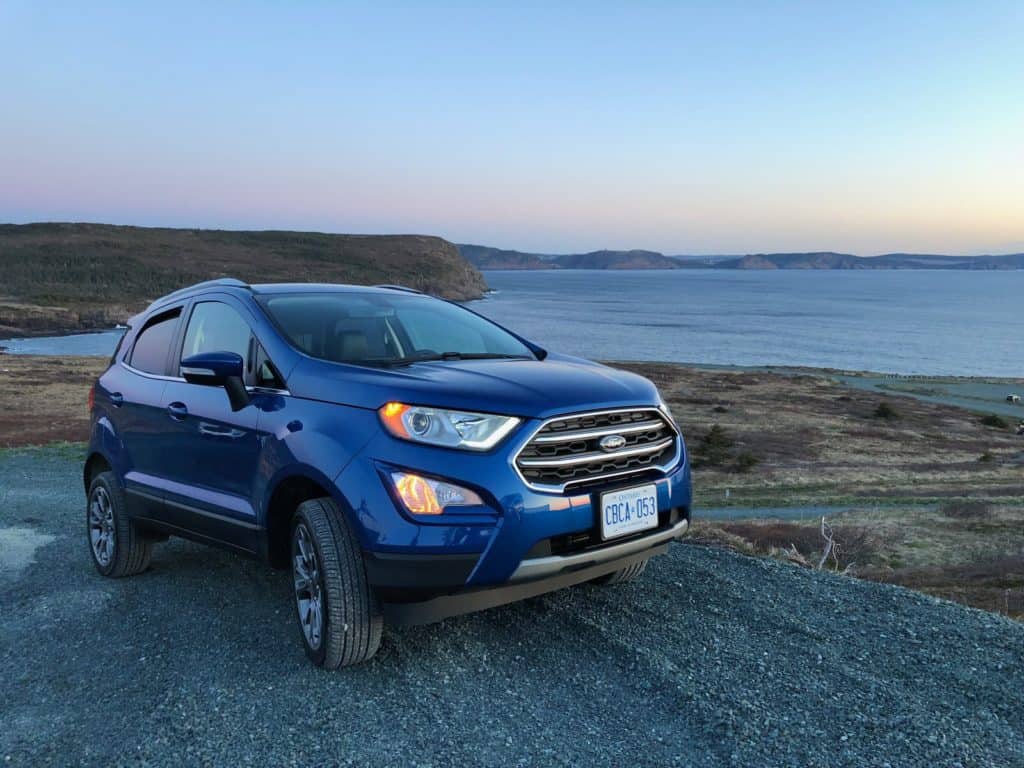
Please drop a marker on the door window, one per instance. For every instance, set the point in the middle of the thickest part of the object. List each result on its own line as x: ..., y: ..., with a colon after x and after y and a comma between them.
x: 216, y: 327
x: 154, y: 343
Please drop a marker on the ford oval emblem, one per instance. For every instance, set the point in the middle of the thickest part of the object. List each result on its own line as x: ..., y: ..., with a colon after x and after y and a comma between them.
x: 612, y: 442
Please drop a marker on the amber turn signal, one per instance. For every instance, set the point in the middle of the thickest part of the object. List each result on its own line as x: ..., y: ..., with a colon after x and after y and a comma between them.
x: 427, y: 496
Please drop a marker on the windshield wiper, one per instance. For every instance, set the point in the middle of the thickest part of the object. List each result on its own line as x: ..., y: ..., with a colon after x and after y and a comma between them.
x: 437, y: 356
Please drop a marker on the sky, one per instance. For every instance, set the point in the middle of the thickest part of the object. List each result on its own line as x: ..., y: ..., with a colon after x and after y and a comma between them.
x: 703, y: 127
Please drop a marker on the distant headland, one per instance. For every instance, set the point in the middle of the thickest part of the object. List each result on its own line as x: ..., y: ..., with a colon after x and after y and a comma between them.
x: 485, y: 257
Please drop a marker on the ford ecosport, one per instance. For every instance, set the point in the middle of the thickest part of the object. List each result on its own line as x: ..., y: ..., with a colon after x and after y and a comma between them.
x: 406, y: 458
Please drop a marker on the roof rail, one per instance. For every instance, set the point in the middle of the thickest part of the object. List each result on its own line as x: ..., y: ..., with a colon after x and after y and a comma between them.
x: 229, y: 282
x: 405, y: 288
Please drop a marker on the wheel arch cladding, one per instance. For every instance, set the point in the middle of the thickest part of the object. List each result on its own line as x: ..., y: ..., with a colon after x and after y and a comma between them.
x: 94, y: 465
x: 288, y: 493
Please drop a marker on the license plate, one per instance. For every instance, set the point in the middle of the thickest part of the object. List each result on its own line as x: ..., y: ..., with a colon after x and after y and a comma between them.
x: 629, y: 511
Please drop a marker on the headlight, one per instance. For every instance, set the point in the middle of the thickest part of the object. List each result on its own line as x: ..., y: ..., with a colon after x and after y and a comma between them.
x: 451, y: 429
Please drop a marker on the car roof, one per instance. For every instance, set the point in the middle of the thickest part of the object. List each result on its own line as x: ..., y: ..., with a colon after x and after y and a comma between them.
x: 237, y: 287
x: 261, y: 288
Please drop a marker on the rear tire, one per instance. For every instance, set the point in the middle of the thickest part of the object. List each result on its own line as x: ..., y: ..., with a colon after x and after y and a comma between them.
x: 629, y: 573
x: 340, y: 619
x: 116, y: 545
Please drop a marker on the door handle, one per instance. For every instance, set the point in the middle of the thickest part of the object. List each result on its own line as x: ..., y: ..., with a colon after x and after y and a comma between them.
x: 116, y: 398
x: 212, y: 430
x: 177, y: 411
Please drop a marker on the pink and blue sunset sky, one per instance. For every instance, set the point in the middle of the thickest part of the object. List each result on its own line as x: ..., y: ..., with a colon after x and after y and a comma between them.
x: 709, y: 127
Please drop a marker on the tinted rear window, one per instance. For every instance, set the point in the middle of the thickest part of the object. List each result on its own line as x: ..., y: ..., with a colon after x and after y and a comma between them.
x: 154, y: 343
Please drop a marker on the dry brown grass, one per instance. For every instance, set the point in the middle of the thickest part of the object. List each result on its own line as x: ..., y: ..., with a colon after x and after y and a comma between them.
x: 818, y: 441
x: 852, y: 545
x: 967, y: 510
x: 990, y: 582
x: 45, y: 399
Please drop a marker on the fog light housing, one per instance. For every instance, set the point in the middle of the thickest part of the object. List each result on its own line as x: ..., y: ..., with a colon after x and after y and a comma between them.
x: 428, y: 496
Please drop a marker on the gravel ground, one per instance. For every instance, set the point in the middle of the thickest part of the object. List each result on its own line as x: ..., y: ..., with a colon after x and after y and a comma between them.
x: 711, y: 659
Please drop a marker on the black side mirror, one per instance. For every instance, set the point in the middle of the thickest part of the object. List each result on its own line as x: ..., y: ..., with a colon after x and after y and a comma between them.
x: 218, y: 369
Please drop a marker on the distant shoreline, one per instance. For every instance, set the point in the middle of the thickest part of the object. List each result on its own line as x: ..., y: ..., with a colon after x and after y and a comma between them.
x: 708, y: 268
x: 488, y: 258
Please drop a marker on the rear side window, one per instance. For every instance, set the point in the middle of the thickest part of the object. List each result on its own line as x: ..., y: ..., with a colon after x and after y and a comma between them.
x: 117, y: 349
x: 216, y: 327
x: 154, y: 343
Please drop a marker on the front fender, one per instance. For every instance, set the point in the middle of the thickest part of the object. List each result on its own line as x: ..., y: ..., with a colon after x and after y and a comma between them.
x: 309, y: 439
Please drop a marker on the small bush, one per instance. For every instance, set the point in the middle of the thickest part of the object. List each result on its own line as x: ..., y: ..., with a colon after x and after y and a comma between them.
x: 995, y: 421
x: 764, y: 537
x: 715, y: 448
x: 986, y: 458
x: 721, y: 409
x: 967, y: 510
x: 746, y: 461
x: 853, y: 544
x: 885, y: 411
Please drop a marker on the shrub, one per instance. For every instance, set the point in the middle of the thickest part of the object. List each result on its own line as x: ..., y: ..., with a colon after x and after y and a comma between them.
x: 852, y: 544
x: 986, y: 458
x: 886, y: 411
x: 855, y: 545
x: 715, y: 448
x: 746, y: 461
x: 995, y: 421
x: 967, y: 510
x: 765, y: 537
x: 721, y: 409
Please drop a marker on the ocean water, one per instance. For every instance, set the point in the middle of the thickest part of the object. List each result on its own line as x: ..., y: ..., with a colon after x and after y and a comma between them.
x: 101, y: 343
x: 910, y: 322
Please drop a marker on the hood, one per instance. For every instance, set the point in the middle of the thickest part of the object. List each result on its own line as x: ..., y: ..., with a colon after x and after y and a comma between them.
x: 527, y: 388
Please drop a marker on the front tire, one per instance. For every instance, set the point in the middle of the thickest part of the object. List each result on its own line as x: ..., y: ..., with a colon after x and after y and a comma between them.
x: 339, y: 616
x: 117, y: 547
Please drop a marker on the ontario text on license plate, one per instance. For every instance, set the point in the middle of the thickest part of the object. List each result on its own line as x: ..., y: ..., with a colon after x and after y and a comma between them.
x: 629, y: 511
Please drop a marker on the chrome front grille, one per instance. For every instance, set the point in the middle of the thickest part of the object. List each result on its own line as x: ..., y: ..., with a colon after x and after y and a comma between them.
x: 566, y: 451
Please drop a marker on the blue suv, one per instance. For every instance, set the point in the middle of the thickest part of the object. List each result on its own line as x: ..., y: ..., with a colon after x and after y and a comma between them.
x: 406, y: 458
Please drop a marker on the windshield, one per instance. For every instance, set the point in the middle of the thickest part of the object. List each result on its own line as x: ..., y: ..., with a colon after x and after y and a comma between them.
x: 386, y: 329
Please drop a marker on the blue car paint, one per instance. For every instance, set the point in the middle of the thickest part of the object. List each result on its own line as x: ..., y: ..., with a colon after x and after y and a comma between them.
x: 213, y: 472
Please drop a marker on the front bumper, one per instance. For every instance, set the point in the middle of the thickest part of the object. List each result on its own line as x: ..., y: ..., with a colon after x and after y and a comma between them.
x: 536, y: 576
x: 542, y: 567
x: 523, y: 536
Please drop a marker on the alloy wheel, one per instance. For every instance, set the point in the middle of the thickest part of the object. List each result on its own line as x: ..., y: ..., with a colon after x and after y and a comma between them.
x: 102, y: 535
x: 309, y: 596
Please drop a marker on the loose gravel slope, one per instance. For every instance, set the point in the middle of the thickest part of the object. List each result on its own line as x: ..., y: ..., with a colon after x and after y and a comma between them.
x: 710, y: 659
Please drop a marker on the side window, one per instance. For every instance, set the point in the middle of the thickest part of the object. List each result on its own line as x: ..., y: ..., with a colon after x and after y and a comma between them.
x: 263, y: 373
x: 154, y: 343
x: 216, y: 327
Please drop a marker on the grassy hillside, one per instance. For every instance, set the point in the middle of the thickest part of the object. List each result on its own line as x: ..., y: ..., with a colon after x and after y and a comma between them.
x: 82, y: 276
